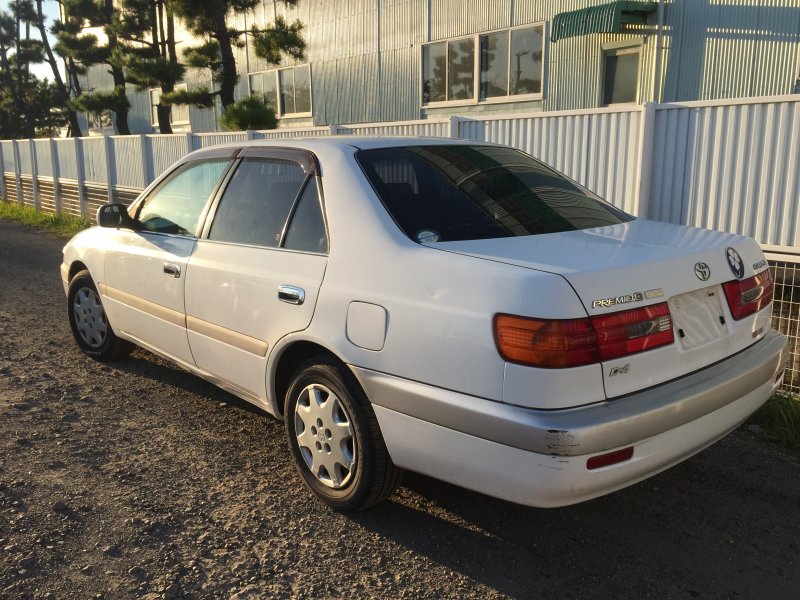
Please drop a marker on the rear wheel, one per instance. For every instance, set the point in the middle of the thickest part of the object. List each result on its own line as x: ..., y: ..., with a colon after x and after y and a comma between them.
x: 90, y: 326
x: 334, y: 437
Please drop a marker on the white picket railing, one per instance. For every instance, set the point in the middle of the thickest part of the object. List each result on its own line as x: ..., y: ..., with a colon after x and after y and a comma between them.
x: 732, y: 165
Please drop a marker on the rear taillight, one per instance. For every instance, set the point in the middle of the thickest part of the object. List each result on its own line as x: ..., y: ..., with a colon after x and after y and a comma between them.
x: 632, y: 331
x: 749, y: 295
x: 556, y: 344
x: 546, y: 343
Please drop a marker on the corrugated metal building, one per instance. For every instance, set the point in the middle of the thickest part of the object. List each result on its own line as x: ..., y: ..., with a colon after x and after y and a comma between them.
x: 397, y: 60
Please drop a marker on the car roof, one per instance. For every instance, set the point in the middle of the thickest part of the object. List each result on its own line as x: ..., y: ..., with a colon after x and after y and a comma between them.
x: 368, y: 142
x: 341, y: 141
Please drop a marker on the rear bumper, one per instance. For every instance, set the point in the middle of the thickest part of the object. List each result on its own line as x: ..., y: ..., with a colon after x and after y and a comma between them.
x: 539, y: 457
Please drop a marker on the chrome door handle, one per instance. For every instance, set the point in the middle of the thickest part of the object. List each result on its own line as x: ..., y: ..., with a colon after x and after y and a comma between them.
x: 291, y: 294
x: 172, y: 270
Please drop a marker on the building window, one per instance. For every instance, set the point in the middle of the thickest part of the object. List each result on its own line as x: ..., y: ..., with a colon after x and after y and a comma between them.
x: 179, y: 113
x: 494, y: 65
x: 155, y: 97
x: 509, y: 65
x: 288, y: 91
x: 621, y: 76
x: 460, y: 69
x: 266, y: 84
x: 434, y: 68
x: 99, y: 120
x: 525, y: 61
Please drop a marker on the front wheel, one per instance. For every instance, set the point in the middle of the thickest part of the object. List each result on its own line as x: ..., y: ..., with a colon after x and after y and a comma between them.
x: 90, y: 326
x: 334, y: 437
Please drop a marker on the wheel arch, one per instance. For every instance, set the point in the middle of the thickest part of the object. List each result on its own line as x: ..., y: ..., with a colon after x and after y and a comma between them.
x: 289, y: 354
x: 76, y: 267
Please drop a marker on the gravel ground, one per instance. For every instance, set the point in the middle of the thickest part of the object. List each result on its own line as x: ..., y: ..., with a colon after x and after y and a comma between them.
x: 138, y: 480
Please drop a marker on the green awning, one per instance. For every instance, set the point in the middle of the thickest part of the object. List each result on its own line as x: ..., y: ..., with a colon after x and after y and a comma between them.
x: 607, y: 18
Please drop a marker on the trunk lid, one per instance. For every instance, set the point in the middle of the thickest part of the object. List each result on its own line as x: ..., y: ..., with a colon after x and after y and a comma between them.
x: 637, y: 264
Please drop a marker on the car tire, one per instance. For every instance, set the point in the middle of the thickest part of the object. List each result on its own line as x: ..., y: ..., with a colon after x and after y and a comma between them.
x: 90, y: 326
x: 335, y: 439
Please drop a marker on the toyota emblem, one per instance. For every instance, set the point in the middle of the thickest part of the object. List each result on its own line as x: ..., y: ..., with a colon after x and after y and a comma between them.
x: 702, y: 271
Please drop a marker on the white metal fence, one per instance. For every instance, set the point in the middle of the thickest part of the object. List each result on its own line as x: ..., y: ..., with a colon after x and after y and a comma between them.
x: 732, y: 165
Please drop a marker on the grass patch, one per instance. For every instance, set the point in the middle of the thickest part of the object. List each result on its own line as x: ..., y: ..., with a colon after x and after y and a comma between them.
x: 65, y: 225
x: 779, y: 419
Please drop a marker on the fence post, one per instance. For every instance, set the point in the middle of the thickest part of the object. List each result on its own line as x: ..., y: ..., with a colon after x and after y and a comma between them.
x: 80, y: 174
x: 250, y: 134
x: 35, y: 176
x: 3, y: 190
x: 56, y: 175
x: 108, y: 147
x: 335, y: 129
x: 646, y: 137
x: 17, y: 168
x: 454, y: 132
x: 147, y: 163
x: 189, y: 142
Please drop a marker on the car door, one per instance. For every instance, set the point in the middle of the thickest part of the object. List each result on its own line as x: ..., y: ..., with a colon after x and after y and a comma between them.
x: 255, y: 274
x: 144, y: 270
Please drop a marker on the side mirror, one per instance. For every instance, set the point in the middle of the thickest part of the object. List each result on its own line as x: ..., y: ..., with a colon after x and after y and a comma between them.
x: 115, y: 215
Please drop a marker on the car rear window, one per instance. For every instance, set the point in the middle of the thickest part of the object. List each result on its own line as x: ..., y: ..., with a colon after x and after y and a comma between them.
x: 462, y: 192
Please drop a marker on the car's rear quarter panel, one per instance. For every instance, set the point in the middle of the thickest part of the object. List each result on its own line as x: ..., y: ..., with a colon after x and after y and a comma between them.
x: 440, y: 305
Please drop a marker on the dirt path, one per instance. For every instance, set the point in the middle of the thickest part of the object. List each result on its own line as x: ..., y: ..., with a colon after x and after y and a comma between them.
x: 140, y: 480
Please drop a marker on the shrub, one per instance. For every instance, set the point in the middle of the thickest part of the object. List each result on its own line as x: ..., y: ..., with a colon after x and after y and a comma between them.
x: 252, y: 112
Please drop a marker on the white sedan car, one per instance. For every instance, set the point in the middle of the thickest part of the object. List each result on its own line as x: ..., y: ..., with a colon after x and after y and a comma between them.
x: 447, y: 307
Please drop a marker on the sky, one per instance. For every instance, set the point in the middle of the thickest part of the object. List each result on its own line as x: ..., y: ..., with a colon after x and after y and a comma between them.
x: 51, y: 11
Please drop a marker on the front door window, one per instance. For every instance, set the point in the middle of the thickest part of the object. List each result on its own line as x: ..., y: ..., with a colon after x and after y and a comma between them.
x: 176, y: 205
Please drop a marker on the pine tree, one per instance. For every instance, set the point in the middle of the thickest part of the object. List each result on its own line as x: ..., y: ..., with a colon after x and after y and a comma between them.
x: 26, y: 51
x: 85, y: 50
x: 208, y: 19
x: 28, y: 106
x: 60, y: 93
x: 146, y: 29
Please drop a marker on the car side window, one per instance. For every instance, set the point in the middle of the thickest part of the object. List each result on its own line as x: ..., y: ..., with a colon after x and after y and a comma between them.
x: 257, y: 201
x: 175, y: 206
x: 307, y: 228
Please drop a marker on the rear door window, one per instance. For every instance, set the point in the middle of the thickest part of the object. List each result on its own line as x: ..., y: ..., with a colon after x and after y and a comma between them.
x: 257, y: 202
x: 306, y: 230
x: 462, y: 192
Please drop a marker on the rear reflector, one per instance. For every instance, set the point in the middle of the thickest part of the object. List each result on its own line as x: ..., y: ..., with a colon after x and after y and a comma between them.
x: 749, y: 295
x: 612, y: 458
x: 557, y: 344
